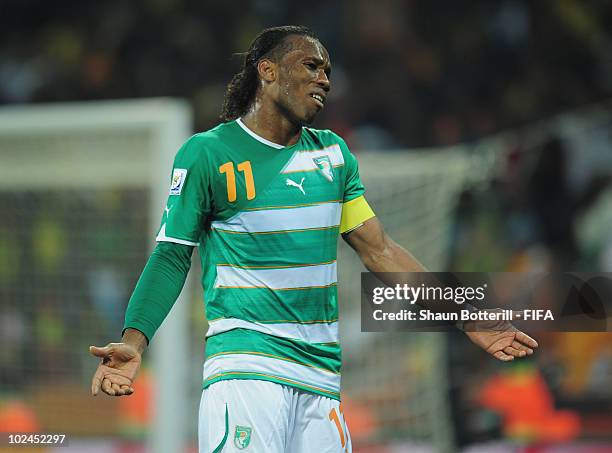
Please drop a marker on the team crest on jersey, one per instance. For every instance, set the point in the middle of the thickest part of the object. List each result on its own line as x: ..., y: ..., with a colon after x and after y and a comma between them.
x: 242, y: 437
x: 325, y: 167
x: 178, y: 179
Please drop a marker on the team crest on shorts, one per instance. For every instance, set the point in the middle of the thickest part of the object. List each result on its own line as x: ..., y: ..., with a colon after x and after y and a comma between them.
x: 242, y: 437
x: 325, y: 167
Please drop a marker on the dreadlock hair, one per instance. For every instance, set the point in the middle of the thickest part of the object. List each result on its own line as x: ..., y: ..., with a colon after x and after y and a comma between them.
x: 270, y: 43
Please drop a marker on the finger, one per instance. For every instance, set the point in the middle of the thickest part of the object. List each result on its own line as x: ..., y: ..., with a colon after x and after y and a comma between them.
x: 100, y: 352
x: 123, y: 391
x: 503, y: 356
x: 526, y: 339
x: 96, y: 381
x: 117, y: 389
x: 514, y: 352
x: 522, y: 347
x: 107, y: 388
x: 127, y: 390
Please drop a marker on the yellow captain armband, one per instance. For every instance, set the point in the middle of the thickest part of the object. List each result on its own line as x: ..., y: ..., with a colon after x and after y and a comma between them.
x: 354, y: 213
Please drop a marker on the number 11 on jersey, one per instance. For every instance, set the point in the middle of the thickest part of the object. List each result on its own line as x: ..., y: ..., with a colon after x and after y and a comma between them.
x: 230, y: 178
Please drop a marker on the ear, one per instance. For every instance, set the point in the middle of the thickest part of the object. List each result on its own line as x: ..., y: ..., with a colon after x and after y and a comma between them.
x: 267, y: 70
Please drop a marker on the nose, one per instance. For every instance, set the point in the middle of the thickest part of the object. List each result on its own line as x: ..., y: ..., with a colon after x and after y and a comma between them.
x: 323, y: 80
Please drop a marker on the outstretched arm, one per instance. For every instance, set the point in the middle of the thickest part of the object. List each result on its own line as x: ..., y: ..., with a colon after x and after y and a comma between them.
x: 378, y: 252
x: 158, y: 288
x: 380, y: 255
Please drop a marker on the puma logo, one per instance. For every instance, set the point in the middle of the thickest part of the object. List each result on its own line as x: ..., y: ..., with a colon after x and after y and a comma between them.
x: 295, y: 184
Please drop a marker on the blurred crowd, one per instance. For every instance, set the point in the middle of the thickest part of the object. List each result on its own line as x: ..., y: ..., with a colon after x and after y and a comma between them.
x: 531, y: 218
x: 68, y: 264
x: 405, y: 73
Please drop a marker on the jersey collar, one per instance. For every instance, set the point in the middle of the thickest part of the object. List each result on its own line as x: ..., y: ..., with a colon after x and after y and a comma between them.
x: 259, y: 138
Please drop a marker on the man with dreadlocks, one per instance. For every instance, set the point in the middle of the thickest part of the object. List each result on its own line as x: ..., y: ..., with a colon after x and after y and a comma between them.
x: 265, y: 197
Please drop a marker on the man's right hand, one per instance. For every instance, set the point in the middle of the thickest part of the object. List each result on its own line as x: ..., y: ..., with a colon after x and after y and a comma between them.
x: 117, y: 370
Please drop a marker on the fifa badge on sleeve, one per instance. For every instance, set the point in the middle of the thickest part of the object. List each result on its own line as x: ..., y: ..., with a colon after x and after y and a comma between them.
x: 178, y: 179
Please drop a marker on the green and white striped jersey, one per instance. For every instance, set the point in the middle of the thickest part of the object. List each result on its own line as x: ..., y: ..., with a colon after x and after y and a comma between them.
x: 266, y: 219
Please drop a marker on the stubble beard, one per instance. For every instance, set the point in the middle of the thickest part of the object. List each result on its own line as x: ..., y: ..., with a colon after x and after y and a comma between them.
x: 288, y: 112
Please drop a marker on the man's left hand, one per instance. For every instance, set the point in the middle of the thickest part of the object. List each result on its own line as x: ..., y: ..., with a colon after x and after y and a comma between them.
x: 500, y: 339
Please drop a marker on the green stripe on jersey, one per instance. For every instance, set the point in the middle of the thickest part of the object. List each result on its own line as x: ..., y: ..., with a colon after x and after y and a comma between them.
x: 281, y: 192
x: 266, y: 305
x: 273, y: 249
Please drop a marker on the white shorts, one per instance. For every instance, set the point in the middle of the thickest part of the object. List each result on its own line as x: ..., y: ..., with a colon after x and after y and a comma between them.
x: 261, y: 416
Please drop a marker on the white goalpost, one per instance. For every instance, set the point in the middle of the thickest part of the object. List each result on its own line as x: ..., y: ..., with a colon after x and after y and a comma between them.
x: 74, y: 148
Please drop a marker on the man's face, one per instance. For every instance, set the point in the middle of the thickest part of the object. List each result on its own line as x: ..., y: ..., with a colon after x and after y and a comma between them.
x: 300, y: 90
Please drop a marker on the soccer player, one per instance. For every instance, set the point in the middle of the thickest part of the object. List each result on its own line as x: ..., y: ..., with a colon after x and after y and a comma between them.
x: 265, y: 197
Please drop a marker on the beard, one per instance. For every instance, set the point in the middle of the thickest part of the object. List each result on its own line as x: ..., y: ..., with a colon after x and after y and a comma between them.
x: 296, y: 113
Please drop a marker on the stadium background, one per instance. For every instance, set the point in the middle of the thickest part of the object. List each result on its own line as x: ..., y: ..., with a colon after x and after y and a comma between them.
x: 484, y: 134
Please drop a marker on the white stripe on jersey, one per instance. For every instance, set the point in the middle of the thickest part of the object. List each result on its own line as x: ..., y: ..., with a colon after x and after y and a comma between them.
x: 284, y: 278
x: 323, y: 215
x: 248, y: 363
x: 304, y: 160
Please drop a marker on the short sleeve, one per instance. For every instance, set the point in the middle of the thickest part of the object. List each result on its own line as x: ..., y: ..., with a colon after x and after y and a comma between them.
x: 189, y: 199
x: 353, y: 187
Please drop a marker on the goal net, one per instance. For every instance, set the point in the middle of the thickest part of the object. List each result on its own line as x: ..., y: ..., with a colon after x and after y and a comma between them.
x: 82, y: 188
x: 396, y: 383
